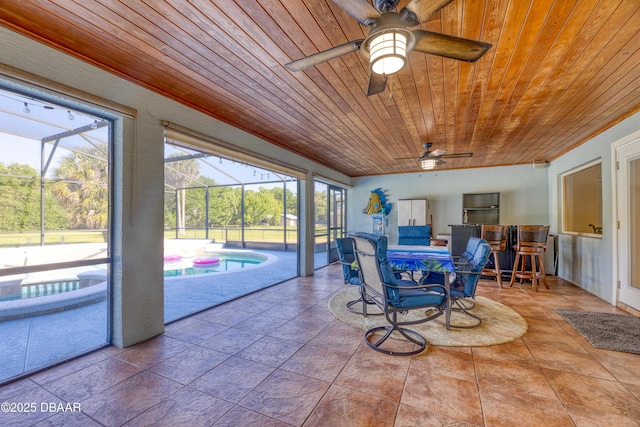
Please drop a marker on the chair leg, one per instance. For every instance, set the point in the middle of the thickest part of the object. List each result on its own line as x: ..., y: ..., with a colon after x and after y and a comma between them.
x: 543, y: 272
x: 514, y: 272
x: 523, y: 269
x: 365, y: 301
x: 410, y: 335
x: 534, y: 273
x: 461, y: 306
x: 496, y: 263
x: 350, y: 304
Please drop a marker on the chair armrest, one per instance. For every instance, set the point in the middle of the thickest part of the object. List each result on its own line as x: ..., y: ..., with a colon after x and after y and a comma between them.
x: 443, y: 289
x: 353, y: 265
x: 420, y: 286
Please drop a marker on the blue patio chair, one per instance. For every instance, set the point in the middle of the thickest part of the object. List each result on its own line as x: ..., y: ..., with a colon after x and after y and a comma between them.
x: 470, y: 250
x: 463, y: 288
x: 413, y: 235
x: 419, y: 235
x: 394, y: 296
x: 351, y: 276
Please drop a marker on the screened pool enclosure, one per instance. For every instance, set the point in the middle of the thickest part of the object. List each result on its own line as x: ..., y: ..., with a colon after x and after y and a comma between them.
x: 55, y: 222
x: 220, y: 216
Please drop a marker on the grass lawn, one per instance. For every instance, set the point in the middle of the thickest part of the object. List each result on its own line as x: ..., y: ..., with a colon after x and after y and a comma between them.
x: 51, y: 238
x: 251, y: 234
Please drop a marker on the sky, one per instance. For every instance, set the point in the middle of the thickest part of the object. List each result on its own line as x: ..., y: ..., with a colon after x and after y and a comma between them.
x: 15, y: 149
x: 25, y: 120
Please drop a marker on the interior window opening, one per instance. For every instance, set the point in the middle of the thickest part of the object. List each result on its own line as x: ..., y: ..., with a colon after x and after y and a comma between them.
x: 582, y: 200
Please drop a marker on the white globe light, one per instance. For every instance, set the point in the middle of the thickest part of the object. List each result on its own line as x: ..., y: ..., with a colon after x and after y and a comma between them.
x: 388, y: 53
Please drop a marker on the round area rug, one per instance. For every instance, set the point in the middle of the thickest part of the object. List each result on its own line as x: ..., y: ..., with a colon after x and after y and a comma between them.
x: 500, y: 324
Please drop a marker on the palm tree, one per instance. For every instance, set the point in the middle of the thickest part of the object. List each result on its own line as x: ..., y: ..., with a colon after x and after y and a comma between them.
x: 81, y: 184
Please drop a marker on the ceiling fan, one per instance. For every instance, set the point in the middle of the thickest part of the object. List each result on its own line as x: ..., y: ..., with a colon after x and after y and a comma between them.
x: 389, y: 40
x: 431, y: 159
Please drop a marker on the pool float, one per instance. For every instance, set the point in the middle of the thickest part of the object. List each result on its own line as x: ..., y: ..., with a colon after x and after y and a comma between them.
x: 172, y: 258
x: 206, y: 261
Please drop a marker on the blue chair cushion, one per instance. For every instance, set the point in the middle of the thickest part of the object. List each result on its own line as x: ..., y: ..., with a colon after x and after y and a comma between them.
x: 399, y: 297
x: 464, y: 285
x: 353, y: 279
x: 347, y: 257
x: 388, y: 275
x: 419, y: 235
x: 456, y: 288
x: 470, y: 250
x: 416, y: 297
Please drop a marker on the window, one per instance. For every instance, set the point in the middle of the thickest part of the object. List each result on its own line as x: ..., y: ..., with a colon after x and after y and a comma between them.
x: 55, y: 228
x: 582, y: 200
x: 231, y: 228
x: 330, y: 222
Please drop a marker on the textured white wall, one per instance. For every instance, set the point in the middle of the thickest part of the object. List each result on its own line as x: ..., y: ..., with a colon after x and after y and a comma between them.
x: 588, y: 261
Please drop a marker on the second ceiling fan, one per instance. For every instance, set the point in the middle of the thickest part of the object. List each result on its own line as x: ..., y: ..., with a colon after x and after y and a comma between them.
x: 432, y: 158
x: 389, y: 40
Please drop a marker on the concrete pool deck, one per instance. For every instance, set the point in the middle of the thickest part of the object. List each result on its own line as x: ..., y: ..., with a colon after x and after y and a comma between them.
x: 34, y: 342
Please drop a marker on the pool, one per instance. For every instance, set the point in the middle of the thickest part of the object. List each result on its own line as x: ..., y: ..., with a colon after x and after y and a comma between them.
x: 229, y: 261
x: 35, y: 290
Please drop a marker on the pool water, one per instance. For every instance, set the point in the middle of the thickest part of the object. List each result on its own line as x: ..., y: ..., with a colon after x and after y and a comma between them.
x: 227, y: 263
x: 43, y: 289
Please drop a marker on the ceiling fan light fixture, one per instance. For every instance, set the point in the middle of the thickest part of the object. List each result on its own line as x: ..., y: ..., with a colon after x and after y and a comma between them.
x: 428, y: 164
x: 388, y: 52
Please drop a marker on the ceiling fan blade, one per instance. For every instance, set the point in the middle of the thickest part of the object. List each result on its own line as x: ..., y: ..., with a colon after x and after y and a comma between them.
x: 325, y: 55
x: 437, y: 152
x: 449, y: 46
x: 377, y: 83
x: 455, y: 155
x: 423, y: 9
x: 360, y: 10
x: 413, y: 159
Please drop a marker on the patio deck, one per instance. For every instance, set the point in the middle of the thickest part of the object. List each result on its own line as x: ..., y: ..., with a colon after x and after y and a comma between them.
x: 34, y: 342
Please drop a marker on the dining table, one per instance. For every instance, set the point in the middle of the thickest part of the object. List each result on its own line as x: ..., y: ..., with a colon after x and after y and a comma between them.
x: 425, y: 259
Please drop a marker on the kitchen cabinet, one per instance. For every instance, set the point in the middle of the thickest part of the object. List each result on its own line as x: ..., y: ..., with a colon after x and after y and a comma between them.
x: 413, y: 212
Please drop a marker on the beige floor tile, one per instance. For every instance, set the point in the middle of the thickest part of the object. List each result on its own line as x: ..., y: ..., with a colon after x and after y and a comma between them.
x: 286, y: 396
x: 569, y: 361
x: 345, y: 407
x: 445, y: 395
x: 532, y: 412
x: 375, y: 373
x: 279, y: 358
x: 595, y: 393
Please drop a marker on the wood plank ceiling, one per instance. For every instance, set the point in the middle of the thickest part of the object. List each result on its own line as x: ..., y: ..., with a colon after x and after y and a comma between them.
x: 559, y: 72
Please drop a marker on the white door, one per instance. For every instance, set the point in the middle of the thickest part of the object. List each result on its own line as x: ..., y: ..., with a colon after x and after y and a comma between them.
x: 404, y: 212
x: 412, y: 212
x: 628, y: 157
x: 419, y: 212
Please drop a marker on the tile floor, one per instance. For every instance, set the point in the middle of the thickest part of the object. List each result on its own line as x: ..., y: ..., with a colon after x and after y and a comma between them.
x: 29, y: 343
x: 279, y: 358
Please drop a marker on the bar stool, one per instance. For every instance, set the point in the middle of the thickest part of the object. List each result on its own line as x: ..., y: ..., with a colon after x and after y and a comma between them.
x: 532, y: 242
x: 496, y: 237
